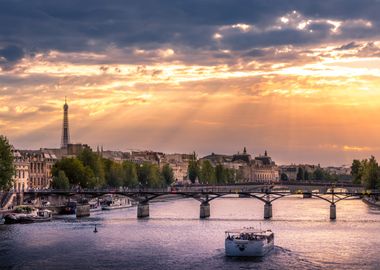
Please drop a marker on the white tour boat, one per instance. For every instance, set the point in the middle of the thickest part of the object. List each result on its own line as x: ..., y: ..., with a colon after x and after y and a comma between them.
x: 117, y: 204
x: 248, y: 242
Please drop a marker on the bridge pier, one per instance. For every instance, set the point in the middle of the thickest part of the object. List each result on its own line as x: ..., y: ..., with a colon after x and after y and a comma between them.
x: 204, y: 210
x: 307, y: 195
x: 268, y: 210
x: 332, y: 211
x: 143, y: 210
x: 83, y: 210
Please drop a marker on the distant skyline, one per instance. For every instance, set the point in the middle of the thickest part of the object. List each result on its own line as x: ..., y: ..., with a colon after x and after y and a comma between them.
x: 300, y: 79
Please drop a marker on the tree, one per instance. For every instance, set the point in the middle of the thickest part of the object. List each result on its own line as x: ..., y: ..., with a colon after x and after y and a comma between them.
x: 75, y: 172
x: 94, y: 162
x: 167, y: 174
x: 149, y: 175
x: 300, y: 174
x: 130, y: 174
x: 116, y: 175
x: 284, y: 177
x: 155, y: 180
x: 193, y: 168
x: 370, y: 176
x: 207, y: 173
x: 61, y: 181
x: 7, y: 168
x: 231, y: 175
x: 318, y: 174
x: 221, y: 174
x: 306, y: 175
x: 356, y: 171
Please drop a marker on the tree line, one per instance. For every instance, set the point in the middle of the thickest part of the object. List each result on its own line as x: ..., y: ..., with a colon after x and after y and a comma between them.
x: 319, y: 174
x: 90, y: 170
x: 207, y: 174
x: 366, y: 172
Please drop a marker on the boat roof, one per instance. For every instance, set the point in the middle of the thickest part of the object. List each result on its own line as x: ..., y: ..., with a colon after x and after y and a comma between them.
x: 44, y: 210
x: 249, y: 230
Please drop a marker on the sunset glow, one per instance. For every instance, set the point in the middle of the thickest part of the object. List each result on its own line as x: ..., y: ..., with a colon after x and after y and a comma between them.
x: 303, y: 85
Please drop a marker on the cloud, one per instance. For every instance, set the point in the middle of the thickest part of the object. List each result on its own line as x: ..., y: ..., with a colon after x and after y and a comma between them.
x: 10, y: 55
x: 185, y: 28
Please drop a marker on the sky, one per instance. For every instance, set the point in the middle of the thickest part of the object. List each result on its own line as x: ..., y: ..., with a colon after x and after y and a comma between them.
x: 300, y: 79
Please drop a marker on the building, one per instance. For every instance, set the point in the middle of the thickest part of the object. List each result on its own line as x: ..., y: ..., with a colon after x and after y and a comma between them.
x: 140, y: 157
x: 179, y: 164
x: 300, y: 172
x: 259, y: 169
x: 40, y: 165
x: 21, y: 176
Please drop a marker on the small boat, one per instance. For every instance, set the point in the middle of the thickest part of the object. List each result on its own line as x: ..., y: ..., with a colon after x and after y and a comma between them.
x: 95, y: 206
x: 69, y: 208
x: 248, y: 242
x: 117, y: 204
x: 42, y: 215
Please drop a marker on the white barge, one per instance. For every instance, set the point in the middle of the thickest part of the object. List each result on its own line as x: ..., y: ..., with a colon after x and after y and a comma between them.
x: 248, y: 242
x: 117, y: 204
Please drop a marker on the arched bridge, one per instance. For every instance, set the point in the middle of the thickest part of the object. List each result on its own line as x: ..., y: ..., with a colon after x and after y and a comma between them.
x: 205, y: 194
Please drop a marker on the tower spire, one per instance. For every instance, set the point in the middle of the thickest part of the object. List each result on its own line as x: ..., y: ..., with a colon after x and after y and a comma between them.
x: 65, y: 140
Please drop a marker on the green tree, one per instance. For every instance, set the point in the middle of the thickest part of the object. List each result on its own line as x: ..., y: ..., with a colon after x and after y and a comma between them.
x: 370, y: 176
x: 207, y: 173
x: 306, y: 175
x: 193, y: 168
x: 221, y: 174
x: 155, y: 179
x: 94, y: 162
x: 149, y: 175
x: 230, y: 175
x: 300, y: 174
x: 318, y: 174
x: 75, y: 172
x: 61, y: 181
x: 116, y: 175
x: 356, y: 171
x: 7, y: 168
x: 130, y: 174
x: 167, y: 174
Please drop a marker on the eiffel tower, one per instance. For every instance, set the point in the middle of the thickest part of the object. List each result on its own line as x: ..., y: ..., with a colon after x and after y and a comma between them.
x: 65, y: 140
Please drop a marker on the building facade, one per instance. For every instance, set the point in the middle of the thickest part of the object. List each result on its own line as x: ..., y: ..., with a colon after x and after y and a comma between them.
x: 260, y: 169
x: 21, y: 176
x: 40, y: 165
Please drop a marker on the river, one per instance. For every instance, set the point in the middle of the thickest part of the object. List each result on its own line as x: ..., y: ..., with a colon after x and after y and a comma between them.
x: 175, y: 238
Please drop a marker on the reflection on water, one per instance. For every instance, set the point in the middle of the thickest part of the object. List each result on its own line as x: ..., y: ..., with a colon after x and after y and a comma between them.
x: 174, y: 237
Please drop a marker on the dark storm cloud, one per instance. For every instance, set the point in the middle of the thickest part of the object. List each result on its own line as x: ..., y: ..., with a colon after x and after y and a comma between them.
x: 9, y: 55
x: 93, y: 25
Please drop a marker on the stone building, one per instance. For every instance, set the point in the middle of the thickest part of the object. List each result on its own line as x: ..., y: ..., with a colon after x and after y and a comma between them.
x: 21, y: 176
x: 179, y: 164
x: 259, y: 169
x: 40, y: 165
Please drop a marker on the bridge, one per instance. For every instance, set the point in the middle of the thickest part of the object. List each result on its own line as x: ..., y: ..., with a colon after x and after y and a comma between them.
x: 266, y: 193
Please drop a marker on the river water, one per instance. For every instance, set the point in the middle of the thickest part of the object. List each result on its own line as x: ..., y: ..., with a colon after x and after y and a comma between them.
x: 174, y: 237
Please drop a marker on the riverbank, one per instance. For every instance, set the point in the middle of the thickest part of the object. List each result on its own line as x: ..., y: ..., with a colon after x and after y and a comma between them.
x: 371, y: 201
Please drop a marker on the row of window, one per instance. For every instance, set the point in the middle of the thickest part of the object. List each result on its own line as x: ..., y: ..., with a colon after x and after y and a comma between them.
x: 19, y: 187
x: 21, y: 174
x: 38, y: 182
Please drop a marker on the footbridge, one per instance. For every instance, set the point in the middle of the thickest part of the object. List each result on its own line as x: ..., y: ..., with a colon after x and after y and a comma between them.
x: 266, y: 193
